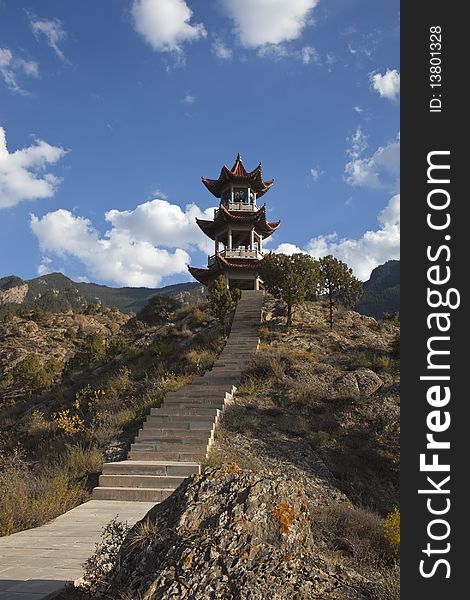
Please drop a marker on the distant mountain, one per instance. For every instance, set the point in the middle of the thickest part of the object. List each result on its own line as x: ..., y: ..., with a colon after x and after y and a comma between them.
x: 381, y: 291
x: 57, y: 293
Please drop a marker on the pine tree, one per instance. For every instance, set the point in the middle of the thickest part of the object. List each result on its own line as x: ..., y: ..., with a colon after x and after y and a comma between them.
x: 292, y: 279
x: 338, y: 284
x: 222, y: 301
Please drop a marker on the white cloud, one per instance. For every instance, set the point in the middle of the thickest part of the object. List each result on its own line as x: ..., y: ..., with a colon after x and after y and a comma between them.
x: 165, y: 24
x: 29, y: 67
x: 141, y: 247
x: 189, y: 99
x: 315, y: 173
x: 287, y: 248
x: 53, y: 31
x: 221, y: 50
x: 22, y: 173
x: 358, y: 109
x: 351, y: 50
x: 157, y: 193
x: 330, y: 60
x: 358, y: 143
x: 44, y: 266
x: 363, y: 254
x: 262, y: 22
x: 381, y: 170
x: 11, y: 66
x: 388, y: 85
x: 308, y: 54
x: 160, y: 222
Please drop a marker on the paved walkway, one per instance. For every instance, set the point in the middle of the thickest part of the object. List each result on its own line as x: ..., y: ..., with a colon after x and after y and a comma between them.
x: 38, y: 562
x: 171, y: 445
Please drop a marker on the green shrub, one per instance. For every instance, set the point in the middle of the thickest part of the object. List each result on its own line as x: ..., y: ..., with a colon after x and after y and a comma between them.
x: 95, y: 347
x: 197, y: 316
x: 93, y: 309
x: 161, y: 348
x: 133, y: 353
x: 35, y: 375
x: 200, y: 359
x: 116, y: 346
x: 104, y: 558
x: 70, y: 333
x: 158, y: 310
x: 221, y: 300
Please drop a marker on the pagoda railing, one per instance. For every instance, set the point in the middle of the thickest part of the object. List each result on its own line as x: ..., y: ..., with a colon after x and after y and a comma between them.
x: 237, y: 253
x: 242, y: 206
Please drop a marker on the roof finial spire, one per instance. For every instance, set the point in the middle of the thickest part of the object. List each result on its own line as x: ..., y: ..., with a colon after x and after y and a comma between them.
x: 239, y: 157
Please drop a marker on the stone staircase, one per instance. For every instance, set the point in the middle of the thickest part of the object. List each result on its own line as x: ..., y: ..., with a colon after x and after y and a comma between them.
x: 176, y: 437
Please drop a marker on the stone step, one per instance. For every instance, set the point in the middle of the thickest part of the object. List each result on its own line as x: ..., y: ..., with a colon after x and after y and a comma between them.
x: 157, y: 433
x: 149, y: 432
x: 194, y: 389
x: 170, y: 445
x: 141, y: 481
x: 175, y: 436
x: 164, y: 468
x: 183, y: 456
x: 211, y: 392
x: 197, y: 413
x: 194, y: 403
x: 131, y: 494
x: 203, y: 400
x: 180, y: 422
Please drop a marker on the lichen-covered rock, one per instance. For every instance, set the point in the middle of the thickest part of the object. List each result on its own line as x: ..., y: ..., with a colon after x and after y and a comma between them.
x: 347, y: 385
x: 368, y: 382
x: 230, y: 534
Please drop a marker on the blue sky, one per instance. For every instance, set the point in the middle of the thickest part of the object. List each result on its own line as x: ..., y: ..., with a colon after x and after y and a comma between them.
x: 111, y: 111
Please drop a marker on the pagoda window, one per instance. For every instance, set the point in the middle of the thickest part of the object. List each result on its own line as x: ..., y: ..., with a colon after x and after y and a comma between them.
x: 252, y: 196
x: 240, y: 195
x: 226, y: 196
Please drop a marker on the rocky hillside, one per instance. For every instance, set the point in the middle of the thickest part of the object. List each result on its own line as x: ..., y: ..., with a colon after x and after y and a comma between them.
x: 298, y: 496
x: 381, y: 291
x: 57, y: 293
x: 75, y: 388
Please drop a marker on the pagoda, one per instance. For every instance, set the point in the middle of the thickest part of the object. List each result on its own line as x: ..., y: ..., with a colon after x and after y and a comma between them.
x: 238, y: 228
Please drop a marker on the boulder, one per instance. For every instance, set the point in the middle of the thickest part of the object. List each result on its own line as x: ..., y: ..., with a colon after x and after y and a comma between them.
x: 230, y: 534
x: 368, y: 382
x: 347, y: 385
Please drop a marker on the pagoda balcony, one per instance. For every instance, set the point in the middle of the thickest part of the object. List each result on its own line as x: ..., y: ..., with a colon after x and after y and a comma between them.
x: 242, y: 206
x: 237, y: 253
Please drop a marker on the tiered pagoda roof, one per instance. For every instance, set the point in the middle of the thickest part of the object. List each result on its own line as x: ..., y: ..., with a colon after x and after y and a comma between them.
x: 220, y: 266
x: 223, y: 215
x: 238, y: 175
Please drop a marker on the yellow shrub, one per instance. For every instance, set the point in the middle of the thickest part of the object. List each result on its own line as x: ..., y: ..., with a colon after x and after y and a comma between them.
x: 392, y: 528
x: 69, y: 423
x: 198, y: 317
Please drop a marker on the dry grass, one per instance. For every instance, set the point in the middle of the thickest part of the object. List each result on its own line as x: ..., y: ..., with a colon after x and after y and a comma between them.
x: 30, y: 497
x: 82, y: 461
x: 389, y: 586
x: 239, y: 419
x: 144, y: 534
x: 356, y: 532
x: 201, y: 359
